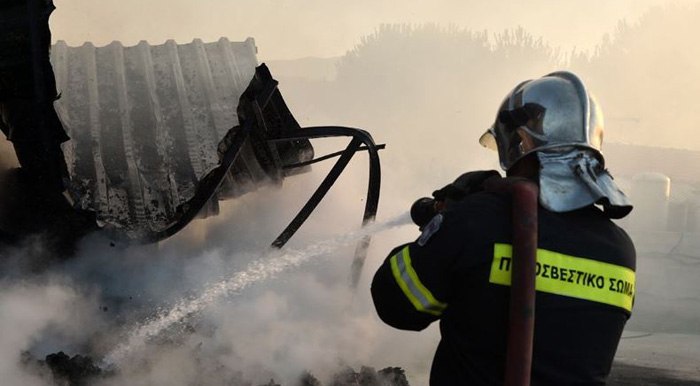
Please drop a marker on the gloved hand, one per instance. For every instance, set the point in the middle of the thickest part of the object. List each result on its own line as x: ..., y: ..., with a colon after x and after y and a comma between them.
x: 425, y: 208
x: 467, y: 183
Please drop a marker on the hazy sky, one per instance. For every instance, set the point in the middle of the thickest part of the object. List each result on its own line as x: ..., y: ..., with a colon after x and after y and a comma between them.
x: 288, y: 29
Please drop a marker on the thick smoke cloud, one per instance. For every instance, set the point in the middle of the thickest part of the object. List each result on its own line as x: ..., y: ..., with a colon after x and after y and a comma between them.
x: 307, y: 318
x: 43, y: 314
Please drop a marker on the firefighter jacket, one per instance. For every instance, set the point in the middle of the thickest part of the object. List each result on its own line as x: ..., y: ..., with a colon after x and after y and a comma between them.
x: 458, y: 272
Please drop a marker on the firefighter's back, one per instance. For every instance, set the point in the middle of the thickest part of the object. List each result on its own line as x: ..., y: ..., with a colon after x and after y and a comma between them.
x: 585, y: 278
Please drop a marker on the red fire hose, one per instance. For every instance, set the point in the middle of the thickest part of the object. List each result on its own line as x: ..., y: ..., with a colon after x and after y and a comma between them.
x: 522, y: 292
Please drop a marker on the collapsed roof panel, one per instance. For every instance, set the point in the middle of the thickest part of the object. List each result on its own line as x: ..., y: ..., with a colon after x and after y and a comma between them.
x: 146, y: 121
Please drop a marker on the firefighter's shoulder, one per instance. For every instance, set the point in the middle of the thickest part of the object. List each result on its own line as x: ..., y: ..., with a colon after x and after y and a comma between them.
x: 459, y: 220
x: 485, y: 203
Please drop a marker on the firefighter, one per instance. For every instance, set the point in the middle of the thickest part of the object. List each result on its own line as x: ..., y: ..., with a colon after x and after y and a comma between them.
x: 548, y: 130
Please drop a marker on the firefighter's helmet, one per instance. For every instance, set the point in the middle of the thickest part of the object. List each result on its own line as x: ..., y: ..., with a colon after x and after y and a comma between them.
x: 558, y: 119
x: 545, y: 114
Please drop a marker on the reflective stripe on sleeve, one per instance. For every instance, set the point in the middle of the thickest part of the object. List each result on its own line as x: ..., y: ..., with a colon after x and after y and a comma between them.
x: 407, y: 279
x: 572, y: 276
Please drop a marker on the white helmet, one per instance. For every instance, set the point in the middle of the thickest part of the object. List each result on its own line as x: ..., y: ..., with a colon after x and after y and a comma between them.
x: 557, y: 118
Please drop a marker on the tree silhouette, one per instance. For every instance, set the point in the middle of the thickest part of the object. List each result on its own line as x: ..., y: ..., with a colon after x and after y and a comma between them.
x: 431, y: 91
x: 445, y: 83
x: 647, y: 76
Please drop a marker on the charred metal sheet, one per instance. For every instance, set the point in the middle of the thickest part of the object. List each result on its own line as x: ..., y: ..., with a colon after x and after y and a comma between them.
x: 146, y: 124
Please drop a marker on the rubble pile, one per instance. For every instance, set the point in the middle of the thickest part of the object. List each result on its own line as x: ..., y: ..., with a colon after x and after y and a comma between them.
x: 390, y: 376
x: 62, y: 370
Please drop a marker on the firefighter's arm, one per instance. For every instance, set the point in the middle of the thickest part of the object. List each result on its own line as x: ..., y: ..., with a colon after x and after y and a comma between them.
x: 464, y: 185
x: 423, y: 210
x: 411, y: 288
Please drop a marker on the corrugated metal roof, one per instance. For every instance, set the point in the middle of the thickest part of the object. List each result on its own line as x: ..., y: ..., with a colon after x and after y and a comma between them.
x: 145, y: 122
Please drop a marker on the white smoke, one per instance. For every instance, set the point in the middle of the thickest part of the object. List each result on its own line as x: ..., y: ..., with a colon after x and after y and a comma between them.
x: 45, y: 314
x: 301, y: 315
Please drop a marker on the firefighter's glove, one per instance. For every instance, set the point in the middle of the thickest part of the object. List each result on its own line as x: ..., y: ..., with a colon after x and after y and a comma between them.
x: 467, y: 183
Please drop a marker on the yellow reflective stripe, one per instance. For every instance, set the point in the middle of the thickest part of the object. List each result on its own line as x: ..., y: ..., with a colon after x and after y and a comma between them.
x: 407, y: 279
x: 571, y: 276
x: 432, y: 302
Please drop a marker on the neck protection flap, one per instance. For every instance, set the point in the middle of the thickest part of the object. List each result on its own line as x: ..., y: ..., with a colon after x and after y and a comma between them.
x: 574, y: 179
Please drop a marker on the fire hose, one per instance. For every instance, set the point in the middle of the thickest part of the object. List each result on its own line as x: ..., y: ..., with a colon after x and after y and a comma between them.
x: 521, y: 324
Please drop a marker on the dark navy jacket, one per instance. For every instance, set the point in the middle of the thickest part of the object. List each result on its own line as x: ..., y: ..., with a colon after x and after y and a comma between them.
x: 455, y: 273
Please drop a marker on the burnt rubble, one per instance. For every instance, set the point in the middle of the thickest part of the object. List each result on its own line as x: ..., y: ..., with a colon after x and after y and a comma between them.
x: 77, y: 370
x: 367, y: 376
x: 63, y: 370
x: 60, y: 369
x: 390, y: 376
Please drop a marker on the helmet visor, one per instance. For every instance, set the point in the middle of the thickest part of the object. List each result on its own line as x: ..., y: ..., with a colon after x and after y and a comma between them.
x: 488, y: 139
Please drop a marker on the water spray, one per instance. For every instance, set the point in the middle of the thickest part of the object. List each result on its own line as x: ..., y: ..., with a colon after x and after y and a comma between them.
x: 271, y: 263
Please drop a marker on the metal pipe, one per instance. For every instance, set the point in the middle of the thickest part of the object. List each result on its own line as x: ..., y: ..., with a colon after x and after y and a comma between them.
x: 318, y: 195
x: 373, y: 187
x: 327, y: 156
